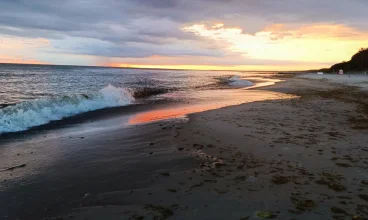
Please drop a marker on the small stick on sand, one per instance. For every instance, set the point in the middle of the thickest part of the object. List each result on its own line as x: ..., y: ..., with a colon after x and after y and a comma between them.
x: 13, y: 167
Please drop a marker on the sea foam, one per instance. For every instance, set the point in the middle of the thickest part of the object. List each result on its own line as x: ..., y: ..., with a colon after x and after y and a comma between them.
x: 236, y: 81
x: 37, y: 112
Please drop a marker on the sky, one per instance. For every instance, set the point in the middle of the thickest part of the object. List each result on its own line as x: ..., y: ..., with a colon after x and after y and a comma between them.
x: 183, y: 34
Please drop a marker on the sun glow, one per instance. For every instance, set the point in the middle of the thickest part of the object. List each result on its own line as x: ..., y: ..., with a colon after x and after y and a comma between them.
x: 275, y: 47
x: 310, y: 43
x: 18, y: 60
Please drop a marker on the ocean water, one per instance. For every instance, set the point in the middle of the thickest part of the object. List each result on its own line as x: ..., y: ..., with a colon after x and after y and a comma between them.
x: 33, y: 95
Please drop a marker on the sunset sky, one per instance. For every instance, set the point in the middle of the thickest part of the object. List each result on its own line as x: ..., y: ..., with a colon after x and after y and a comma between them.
x: 183, y: 34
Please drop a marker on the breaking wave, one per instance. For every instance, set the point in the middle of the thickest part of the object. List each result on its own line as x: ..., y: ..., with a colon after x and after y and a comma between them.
x: 25, y: 115
x: 236, y: 81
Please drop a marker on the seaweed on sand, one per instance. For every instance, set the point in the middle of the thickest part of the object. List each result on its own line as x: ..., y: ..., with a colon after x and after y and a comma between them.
x: 332, y: 181
x: 364, y: 197
x: 265, y: 214
x: 280, y: 179
x: 163, y: 213
x: 338, y: 210
x: 302, y: 204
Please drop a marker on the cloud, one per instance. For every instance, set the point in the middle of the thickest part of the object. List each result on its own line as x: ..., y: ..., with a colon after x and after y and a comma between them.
x: 310, y: 43
x: 18, y: 59
x: 143, y: 28
x: 21, y: 50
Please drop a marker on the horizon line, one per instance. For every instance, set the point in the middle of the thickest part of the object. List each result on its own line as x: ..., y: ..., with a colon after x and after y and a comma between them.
x: 147, y: 68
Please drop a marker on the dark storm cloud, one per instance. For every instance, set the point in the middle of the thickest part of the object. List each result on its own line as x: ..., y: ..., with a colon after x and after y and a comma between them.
x: 145, y: 27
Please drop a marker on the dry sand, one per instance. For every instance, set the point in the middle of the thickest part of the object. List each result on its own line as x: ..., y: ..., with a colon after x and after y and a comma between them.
x: 301, y: 158
x: 357, y: 80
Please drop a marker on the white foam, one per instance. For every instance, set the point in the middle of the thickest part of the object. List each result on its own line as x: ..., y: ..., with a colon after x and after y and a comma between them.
x: 236, y: 81
x: 37, y: 112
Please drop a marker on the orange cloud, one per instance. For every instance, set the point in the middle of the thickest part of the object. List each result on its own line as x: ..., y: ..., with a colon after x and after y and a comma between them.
x: 21, y: 50
x: 276, y: 47
x: 334, y: 31
x: 323, y: 43
x: 18, y: 60
x: 274, y: 27
x: 22, y: 43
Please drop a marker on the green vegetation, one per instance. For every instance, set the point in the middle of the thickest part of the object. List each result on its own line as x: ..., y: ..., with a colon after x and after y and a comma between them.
x: 358, y: 62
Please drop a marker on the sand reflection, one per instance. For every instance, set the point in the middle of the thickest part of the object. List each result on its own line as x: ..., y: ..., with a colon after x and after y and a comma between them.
x: 237, y: 98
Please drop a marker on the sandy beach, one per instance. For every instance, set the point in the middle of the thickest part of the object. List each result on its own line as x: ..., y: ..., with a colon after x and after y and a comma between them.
x: 302, y: 156
x: 183, y: 110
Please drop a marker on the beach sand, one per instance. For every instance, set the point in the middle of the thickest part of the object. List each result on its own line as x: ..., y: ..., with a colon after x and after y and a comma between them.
x: 303, y: 157
x: 357, y: 80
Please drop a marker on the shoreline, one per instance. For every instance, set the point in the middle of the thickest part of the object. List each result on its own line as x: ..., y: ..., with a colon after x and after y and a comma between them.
x: 203, y: 101
x: 299, y: 158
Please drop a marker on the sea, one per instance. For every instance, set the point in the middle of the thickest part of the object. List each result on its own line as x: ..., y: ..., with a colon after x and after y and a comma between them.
x: 35, y: 95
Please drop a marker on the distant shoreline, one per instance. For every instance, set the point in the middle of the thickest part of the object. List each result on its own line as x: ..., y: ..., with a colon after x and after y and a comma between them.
x: 260, y: 71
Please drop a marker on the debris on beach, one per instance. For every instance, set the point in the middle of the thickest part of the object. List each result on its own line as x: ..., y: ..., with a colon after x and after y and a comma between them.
x: 197, y: 185
x: 163, y: 213
x: 279, y: 180
x: 86, y: 195
x: 172, y: 190
x: 364, y: 197
x: 337, y: 210
x: 13, y: 167
x: 332, y: 181
x: 137, y: 217
x: 165, y: 174
x: 302, y: 204
x: 343, y: 165
x: 265, y: 214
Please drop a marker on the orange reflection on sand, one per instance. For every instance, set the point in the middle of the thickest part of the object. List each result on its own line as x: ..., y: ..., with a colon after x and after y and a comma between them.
x: 180, y: 111
x: 156, y: 115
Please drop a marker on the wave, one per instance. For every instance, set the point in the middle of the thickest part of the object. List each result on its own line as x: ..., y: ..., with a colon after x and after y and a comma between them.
x: 25, y: 115
x: 236, y: 81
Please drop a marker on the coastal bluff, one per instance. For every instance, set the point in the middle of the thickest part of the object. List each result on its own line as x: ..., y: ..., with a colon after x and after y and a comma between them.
x: 358, y: 62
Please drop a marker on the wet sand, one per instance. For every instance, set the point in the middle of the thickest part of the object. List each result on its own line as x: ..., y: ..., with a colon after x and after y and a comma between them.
x: 296, y: 158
